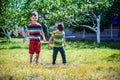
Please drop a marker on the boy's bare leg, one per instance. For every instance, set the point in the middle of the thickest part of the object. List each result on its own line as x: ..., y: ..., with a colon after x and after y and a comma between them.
x: 37, y: 57
x: 31, y: 56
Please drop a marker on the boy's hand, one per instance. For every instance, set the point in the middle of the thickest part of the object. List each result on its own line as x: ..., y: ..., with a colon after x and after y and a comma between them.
x: 44, y: 40
x: 19, y: 32
x: 64, y: 45
x: 49, y: 47
x: 24, y: 40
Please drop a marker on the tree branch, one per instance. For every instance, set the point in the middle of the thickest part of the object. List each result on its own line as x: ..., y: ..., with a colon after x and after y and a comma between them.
x: 94, y: 29
x: 70, y: 22
x: 3, y: 29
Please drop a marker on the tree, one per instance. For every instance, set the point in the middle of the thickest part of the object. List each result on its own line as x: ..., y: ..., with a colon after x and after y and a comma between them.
x: 81, y: 12
x: 92, y: 10
x: 3, y: 19
x: 11, y: 17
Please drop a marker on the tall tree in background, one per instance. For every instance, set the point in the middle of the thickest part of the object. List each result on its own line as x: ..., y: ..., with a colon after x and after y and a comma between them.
x: 12, y: 15
x: 4, y: 19
x: 90, y: 10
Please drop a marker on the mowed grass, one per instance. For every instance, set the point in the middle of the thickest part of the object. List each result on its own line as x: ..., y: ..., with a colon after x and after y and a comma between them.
x: 86, y: 60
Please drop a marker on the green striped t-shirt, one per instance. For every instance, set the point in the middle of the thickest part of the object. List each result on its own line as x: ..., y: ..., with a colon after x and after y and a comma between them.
x: 58, y: 39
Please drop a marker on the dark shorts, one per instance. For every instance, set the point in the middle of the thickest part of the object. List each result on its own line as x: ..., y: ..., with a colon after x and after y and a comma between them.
x: 34, y: 46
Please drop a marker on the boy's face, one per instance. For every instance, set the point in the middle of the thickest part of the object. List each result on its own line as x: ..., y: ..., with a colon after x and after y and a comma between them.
x: 34, y: 18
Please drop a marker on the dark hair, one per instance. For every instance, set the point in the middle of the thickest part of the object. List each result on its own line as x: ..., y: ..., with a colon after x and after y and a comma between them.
x: 60, y: 27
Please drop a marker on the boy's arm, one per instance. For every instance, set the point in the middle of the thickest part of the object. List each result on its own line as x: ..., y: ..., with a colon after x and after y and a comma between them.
x: 25, y: 35
x: 43, y: 36
x: 49, y: 41
x: 64, y: 40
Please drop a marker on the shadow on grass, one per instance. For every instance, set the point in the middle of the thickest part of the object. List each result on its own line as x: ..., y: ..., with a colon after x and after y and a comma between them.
x: 3, y: 41
x: 114, y: 57
x: 71, y: 43
x: 15, y: 47
x: 6, y: 77
x: 92, y: 44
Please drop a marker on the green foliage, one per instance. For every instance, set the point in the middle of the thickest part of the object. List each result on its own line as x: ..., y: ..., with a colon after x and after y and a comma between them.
x: 16, y: 13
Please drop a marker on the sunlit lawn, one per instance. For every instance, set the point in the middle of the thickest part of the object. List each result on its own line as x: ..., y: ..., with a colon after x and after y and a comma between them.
x: 86, y: 60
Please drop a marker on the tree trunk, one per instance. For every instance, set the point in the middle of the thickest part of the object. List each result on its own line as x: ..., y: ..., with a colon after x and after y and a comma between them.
x: 98, y: 36
x: 98, y: 29
x: 9, y: 33
x: 83, y: 37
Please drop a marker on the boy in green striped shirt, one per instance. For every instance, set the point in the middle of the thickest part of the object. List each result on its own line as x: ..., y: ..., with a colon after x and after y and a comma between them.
x: 58, y: 37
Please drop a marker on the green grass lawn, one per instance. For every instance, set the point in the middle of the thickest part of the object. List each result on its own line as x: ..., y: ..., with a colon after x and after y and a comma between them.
x: 86, y: 60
